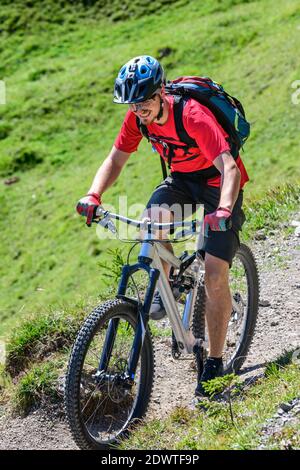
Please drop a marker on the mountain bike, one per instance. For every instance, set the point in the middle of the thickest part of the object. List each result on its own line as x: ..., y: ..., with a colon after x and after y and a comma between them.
x: 111, y: 367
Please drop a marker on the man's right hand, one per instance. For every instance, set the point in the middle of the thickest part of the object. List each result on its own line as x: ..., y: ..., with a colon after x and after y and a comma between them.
x: 87, y: 206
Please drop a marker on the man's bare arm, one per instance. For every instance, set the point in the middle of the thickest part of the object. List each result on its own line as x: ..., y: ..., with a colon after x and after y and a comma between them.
x: 231, y: 177
x: 109, y: 171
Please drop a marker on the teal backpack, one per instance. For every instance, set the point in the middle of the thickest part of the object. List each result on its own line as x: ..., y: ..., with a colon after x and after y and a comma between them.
x: 227, y: 109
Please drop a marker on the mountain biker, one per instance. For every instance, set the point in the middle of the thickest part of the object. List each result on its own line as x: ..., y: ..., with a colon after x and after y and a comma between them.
x: 141, y: 85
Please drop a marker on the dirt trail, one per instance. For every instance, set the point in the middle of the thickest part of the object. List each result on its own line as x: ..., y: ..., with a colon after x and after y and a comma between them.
x: 277, y: 329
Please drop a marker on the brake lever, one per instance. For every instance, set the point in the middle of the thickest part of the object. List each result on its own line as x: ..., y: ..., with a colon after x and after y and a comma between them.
x: 108, y: 224
x: 105, y: 222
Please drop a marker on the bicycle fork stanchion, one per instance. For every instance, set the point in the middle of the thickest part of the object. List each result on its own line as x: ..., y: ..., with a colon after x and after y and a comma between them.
x: 108, y: 344
x: 142, y: 324
x: 114, y: 322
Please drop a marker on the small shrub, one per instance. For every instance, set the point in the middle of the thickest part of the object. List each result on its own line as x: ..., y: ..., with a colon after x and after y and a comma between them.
x: 111, y: 270
x: 181, y: 415
x: 218, y: 385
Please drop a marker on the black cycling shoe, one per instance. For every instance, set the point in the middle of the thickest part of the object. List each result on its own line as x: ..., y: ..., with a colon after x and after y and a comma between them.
x: 213, y: 368
x: 157, y: 310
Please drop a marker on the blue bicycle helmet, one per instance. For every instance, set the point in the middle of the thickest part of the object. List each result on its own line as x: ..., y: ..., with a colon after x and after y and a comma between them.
x: 138, y: 80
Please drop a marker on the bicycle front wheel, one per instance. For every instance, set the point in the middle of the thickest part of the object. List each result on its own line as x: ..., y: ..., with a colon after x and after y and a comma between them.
x: 101, y: 406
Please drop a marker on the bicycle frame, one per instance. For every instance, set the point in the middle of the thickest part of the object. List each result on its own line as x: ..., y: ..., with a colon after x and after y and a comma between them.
x: 150, y: 259
x: 180, y: 326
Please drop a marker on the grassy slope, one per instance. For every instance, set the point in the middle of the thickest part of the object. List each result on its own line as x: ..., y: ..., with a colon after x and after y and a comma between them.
x: 59, y: 79
x: 213, y: 428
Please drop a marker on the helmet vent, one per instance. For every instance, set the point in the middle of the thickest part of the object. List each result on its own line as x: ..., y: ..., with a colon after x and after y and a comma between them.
x: 144, y: 70
x: 122, y: 72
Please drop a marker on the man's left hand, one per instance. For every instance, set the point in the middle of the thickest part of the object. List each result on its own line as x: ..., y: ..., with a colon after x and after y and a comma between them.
x: 219, y: 220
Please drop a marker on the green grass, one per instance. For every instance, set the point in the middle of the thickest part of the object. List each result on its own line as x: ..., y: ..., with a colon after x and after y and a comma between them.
x: 37, y: 337
x: 27, y: 15
x: 59, y: 62
x: 59, y: 122
x: 272, y: 210
x: 213, y: 427
x: 38, y: 387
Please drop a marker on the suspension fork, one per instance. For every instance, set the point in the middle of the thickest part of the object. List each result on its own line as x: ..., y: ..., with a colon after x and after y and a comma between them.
x: 143, y: 318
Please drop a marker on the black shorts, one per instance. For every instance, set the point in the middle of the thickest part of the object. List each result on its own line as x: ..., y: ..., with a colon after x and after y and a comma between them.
x: 183, y: 193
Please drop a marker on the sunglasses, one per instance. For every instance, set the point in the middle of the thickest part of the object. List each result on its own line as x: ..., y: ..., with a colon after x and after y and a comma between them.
x: 144, y: 106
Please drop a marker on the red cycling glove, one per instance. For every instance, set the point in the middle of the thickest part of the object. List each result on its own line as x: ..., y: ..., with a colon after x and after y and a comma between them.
x: 87, y: 206
x: 219, y: 220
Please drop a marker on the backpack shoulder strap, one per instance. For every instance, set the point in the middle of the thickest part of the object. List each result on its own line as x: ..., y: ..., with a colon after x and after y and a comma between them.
x: 163, y: 167
x: 179, y: 103
x: 144, y: 131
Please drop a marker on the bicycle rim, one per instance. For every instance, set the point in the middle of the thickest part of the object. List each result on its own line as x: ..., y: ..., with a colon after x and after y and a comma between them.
x: 240, y: 286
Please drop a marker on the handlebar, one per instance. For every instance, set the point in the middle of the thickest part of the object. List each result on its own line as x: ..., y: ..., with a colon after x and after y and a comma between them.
x: 145, y: 224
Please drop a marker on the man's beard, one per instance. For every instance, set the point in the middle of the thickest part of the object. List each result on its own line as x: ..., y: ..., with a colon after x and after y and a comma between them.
x: 148, y: 120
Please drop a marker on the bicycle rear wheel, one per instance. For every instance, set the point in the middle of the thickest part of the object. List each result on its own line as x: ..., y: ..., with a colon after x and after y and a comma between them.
x: 244, y: 286
x: 101, y: 407
x: 198, y: 327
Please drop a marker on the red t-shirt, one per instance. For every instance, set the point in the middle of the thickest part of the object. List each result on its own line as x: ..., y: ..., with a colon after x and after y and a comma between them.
x: 200, y: 124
